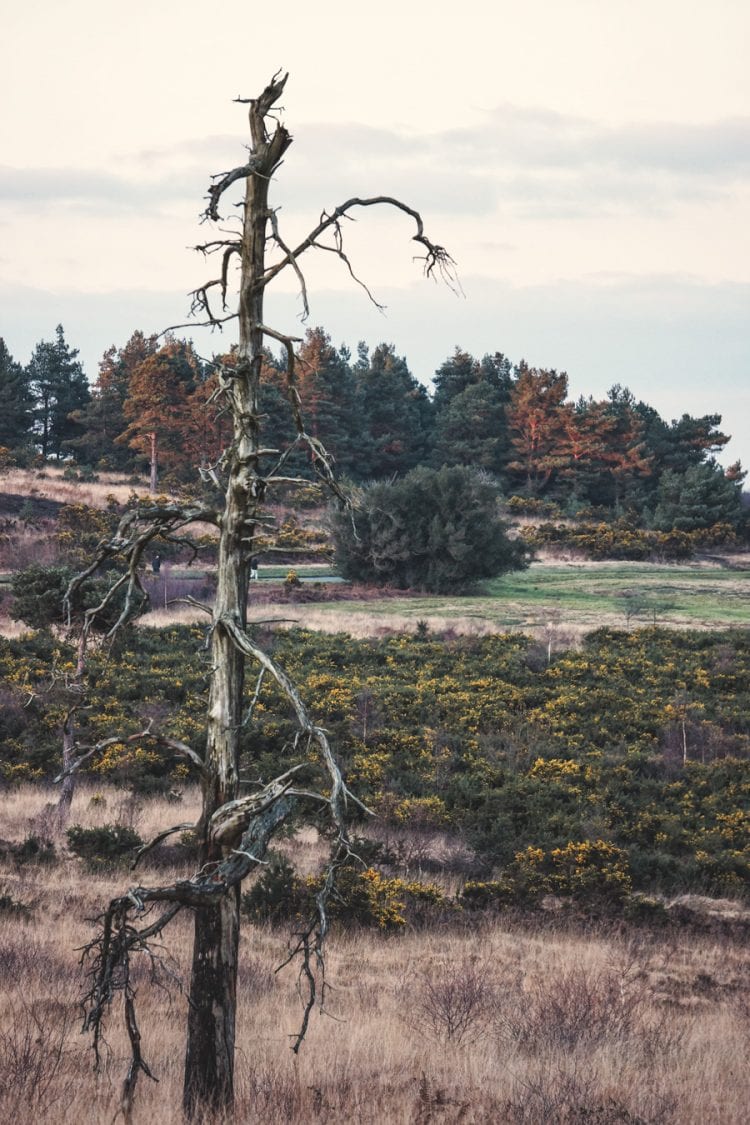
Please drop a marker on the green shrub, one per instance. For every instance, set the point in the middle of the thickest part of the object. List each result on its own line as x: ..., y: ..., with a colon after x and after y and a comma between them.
x: 278, y: 894
x: 34, y: 849
x: 434, y: 530
x: 111, y: 843
x: 364, y: 898
x: 10, y: 905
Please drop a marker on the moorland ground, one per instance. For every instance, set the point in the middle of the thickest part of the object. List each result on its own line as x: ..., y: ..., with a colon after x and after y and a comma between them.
x: 499, y: 1017
x: 499, y: 1020
x: 558, y: 598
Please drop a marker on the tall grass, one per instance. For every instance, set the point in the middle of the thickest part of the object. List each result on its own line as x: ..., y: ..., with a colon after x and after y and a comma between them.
x: 493, y: 1022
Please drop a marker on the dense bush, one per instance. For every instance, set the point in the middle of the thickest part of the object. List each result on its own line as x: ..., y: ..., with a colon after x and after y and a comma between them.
x: 38, y: 593
x: 111, y: 843
x: 435, y: 530
x: 362, y: 897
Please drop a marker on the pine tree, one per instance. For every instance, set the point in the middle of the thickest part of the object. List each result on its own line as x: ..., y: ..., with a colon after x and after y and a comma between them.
x: 607, y: 450
x: 700, y: 497
x: 157, y: 406
x: 470, y: 412
x: 397, y: 414
x: 471, y: 430
x: 453, y: 376
x: 15, y: 402
x: 103, y: 420
x: 539, y: 422
x: 330, y: 399
x: 59, y: 389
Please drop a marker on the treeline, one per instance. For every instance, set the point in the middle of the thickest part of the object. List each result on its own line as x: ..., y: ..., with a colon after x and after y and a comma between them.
x: 157, y: 399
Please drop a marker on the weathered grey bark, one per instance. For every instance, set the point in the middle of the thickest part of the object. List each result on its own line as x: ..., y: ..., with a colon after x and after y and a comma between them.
x: 213, y: 989
x: 234, y: 831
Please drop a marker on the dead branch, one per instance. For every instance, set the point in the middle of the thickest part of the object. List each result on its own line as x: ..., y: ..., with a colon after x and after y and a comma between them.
x: 181, y: 749
x: 340, y: 793
x: 136, y: 530
x: 274, y: 220
x: 436, y: 259
x: 188, y: 827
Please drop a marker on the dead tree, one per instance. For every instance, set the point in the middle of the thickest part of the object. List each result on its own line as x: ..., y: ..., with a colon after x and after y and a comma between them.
x: 234, y: 830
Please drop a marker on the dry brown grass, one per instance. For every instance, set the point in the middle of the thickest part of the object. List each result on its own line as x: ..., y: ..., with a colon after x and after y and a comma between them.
x: 492, y: 1023
x: 50, y: 484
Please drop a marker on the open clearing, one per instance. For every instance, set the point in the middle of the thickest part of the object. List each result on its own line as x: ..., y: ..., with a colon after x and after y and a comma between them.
x: 552, y: 598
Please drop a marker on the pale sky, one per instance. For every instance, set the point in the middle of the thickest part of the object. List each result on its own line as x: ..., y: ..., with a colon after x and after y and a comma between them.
x: 586, y: 162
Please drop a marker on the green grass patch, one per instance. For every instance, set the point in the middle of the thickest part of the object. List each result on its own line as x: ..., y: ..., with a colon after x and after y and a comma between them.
x: 586, y: 596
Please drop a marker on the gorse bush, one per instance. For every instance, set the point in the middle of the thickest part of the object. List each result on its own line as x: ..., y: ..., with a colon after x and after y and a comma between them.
x: 363, y: 897
x: 621, y: 540
x: 639, y: 740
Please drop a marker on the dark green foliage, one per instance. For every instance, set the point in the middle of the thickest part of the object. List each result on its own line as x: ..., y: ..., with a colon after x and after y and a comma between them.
x: 700, y: 497
x: 15, y: 402
x: 435, y: 530
x: 59, y: 389
x: 112, y: 843
x: 38, y: 593
x: 11, y: 905
x: 470, y: 421
x: 471, y: 431
x: 34, y: 849
x: 331, y: 399
x: 394, y: 433
x: 278, y: 894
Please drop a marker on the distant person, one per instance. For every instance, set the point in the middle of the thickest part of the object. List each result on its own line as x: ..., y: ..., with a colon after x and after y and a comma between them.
x: 254, y: 569
x: 156, y: 564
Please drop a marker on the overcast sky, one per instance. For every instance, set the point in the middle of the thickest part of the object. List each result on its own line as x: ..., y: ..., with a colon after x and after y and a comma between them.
x: 586, y: 162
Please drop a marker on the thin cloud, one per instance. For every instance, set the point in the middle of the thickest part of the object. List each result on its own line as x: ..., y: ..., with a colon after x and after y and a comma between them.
x: 542, y: 163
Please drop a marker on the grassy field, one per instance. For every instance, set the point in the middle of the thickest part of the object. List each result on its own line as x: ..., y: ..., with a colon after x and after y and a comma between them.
x: 494, y: 1021
x: 554, y: 599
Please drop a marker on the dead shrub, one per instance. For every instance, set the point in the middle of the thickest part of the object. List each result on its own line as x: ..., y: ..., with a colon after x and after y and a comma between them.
x: 453, y: 1002
x: 33, y: 1056
x: 559, y: 1097
x: 589, y: 1009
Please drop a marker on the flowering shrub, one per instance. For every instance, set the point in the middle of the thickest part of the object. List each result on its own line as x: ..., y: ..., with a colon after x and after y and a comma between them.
x: 620, y: 540
x: 363, y: 897
x: 640, y: 740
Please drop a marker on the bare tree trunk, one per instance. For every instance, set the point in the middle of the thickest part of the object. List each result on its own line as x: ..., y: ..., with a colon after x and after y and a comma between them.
x: 209, y: 1057
x: 154, y: 472
x: 234, y: 831
x: 213, y: 990
x: 68, y: 783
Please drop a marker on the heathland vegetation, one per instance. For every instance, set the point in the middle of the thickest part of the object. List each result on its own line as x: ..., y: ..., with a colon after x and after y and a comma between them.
x: 486, y: 1017
x: 529, y: 844
x: 556, y: 873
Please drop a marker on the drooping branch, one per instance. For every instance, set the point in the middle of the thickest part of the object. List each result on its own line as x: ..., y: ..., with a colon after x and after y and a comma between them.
x: 181, y: 749
x: 136, y: 530
x: 243, y: 828
x: 436, y: 259
x: 339, y: 791
x: 321, y: 460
